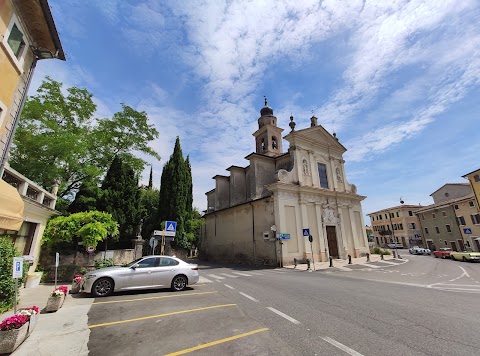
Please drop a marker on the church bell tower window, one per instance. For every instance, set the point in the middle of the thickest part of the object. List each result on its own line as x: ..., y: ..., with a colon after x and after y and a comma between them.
x: 274, y: 142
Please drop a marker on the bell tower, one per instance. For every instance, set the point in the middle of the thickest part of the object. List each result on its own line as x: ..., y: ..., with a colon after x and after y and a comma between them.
x: 268, y: 137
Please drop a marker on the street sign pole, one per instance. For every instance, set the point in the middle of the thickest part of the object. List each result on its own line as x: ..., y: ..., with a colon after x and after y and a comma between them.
x: 163, y: 242
x: 311, y: 248
x: 17, y: 273
x: 57, y: 260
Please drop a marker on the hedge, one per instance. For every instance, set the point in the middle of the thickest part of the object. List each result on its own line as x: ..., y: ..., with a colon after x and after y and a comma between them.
x: 7, y: 283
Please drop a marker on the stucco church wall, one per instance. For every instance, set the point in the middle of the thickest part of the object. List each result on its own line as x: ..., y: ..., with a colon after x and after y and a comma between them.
x: 237, y: 187
x: 222, y: 192
x: 264, y: 174
x: 234, y: 239
x: 313, y: 226
x: 292, y: 229
x: 211, y: 200
x: 347, y: 226
x: 362, y: 238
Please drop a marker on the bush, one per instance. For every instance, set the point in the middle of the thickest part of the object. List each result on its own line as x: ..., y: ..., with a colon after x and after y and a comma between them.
x: 376, y: 250
x: 104, y: 263
x: 7, y: 283
x: 386, y: 252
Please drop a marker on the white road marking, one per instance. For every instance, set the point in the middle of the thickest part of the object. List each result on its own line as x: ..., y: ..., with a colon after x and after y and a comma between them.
x: 215, y: 276
x: 464, y: 272
x: 243, y: 274
x: 256, y: 273
x: 229, y: 275
x: 388, y: 262
x: 274, y: 270
x: 202, y: 279
x: 249, y: 297
x: 289, y: 318
x: 460, y: 285
x: 368, y: 265
x: 226, y: 285
x: 341, y: 346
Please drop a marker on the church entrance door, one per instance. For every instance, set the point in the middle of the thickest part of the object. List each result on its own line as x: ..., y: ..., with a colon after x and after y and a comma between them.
x: 332, y: 241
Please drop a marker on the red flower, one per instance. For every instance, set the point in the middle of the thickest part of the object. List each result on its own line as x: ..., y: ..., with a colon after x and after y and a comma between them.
x: 64, y: 289
x: 14, y: 322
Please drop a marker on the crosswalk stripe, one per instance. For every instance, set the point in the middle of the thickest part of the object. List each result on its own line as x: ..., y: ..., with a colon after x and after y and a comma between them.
x: 229, y: 275
x: 215, y: 276
x: 274, y: 270
x: 202, y: 279
x: 256, y: 273
x: 243, y: 274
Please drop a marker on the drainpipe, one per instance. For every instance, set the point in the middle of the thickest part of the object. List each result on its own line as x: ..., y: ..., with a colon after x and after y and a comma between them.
x: 253, y: 237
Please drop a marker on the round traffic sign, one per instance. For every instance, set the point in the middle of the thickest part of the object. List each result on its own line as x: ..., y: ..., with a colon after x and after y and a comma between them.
x: 90, y: 249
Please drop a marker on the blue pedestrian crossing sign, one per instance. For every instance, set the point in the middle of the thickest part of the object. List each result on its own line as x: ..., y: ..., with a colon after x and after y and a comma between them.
x: 306, y: 232
x: 171, y: 226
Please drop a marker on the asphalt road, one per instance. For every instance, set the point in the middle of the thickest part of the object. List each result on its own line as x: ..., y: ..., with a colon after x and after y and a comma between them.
x: 289, y: 312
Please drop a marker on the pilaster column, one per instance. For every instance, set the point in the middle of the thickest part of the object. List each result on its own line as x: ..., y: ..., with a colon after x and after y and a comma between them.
x: 341, y: 227
x: 354, y: 232
x: 322, y: 236
x: 303, y: 223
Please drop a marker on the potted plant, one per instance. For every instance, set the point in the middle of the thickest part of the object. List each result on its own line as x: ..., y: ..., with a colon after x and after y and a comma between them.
x: 13, y: 331
x: 56, y: 299
x: 76, y: 283
x: 32, y: 313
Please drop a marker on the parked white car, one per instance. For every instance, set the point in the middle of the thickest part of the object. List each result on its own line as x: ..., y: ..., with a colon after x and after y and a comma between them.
x: 416, y: 250
x: 147, y: 272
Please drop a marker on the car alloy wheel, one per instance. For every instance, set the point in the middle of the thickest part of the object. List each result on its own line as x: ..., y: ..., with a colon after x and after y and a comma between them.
x: 179, y: 283
x: 103, y: 287
x: 464, y: 259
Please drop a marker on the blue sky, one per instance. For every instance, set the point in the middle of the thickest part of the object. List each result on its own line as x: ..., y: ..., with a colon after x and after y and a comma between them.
x: 398, y: 81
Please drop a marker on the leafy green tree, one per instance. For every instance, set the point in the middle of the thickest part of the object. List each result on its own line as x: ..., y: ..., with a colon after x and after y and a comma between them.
x: 90, y: 227
x: 59, y: 137
x: 121, y: 198
x: 194, y: 226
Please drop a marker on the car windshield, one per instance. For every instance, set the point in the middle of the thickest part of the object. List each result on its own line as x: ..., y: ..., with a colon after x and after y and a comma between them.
x: 134, y: 262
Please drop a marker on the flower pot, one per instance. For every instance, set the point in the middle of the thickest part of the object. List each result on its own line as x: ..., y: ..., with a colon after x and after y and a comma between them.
x: 11, y: 339
x: 75, y: 288
x: 32, y: 322
x: 54, y: 303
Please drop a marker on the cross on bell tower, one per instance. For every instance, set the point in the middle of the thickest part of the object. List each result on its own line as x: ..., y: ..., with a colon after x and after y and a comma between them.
x: 268, y: 137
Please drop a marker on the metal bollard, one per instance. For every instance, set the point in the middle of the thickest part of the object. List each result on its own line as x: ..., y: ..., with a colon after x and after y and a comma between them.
x: 381, y: 254
x: 394, y: 254
x: 331, y: 262
x: 349, y: 259
x: 308, y: 265
x: 368, y: 257
x: 295, y: 262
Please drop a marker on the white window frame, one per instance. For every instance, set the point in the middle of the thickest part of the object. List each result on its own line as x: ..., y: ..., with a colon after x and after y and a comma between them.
x: 19, y: 62
x: 3, y: 113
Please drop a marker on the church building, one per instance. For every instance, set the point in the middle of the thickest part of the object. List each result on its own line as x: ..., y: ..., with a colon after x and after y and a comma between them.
x: 264, y: 213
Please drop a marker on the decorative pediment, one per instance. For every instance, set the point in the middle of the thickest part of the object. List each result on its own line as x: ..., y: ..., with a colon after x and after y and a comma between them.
x: 315, y: 136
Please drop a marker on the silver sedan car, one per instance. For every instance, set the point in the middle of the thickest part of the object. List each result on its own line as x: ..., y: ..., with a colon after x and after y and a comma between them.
x: 145, y: 273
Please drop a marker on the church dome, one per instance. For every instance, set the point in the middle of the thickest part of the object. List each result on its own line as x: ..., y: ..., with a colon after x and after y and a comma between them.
x: 266, y: 110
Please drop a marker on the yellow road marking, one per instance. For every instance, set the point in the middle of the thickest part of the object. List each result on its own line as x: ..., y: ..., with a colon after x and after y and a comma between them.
x: 213, y: 343
x: 161, y: 297
x: 160, y: 315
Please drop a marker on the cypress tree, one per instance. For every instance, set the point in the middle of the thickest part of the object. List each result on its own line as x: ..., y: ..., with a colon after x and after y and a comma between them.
x: 150, y: 181
x: 86, y: 198
x: 174, y: 202
x: 121, y: 198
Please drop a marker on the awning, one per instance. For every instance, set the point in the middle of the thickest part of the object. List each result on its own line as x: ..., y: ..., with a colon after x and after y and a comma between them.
x: 11, y: 207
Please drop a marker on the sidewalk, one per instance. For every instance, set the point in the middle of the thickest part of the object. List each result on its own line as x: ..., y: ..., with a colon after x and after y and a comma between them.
x: 64, y: 332
x: 340, y: 264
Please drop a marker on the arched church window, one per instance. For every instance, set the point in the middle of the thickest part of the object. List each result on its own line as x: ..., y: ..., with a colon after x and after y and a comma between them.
x: 263, y: 145
x: 274, y: 142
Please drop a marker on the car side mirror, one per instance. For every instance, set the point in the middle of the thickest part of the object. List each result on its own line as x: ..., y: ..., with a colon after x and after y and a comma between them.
x: 134, y: 266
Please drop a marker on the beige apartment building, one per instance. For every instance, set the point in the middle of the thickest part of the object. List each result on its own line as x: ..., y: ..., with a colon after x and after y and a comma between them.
x: 397, y: 224
x: 474, y: 180
x: 452, y: 222
x: 28, y: 34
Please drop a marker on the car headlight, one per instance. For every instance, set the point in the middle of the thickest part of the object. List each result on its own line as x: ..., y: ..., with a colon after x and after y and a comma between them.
x: 90, y: 276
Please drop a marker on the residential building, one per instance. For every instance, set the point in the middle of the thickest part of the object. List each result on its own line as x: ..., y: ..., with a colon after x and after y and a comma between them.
x: 280, y: 195
x: 397, y: 224
x: 28, y: 35
x: 453, y: 223
x: 474, y: 180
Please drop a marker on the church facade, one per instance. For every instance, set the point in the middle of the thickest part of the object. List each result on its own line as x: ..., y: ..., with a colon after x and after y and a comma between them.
x: 258, y: 214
